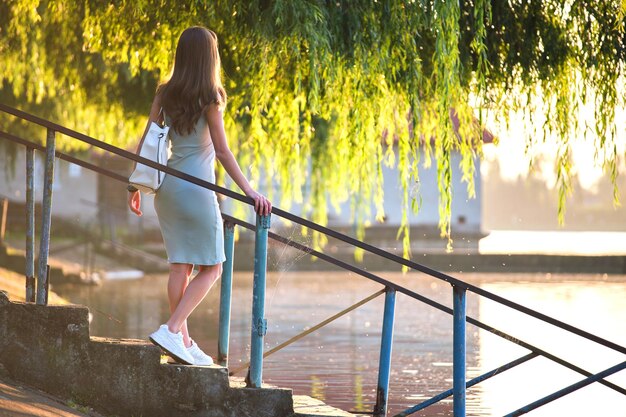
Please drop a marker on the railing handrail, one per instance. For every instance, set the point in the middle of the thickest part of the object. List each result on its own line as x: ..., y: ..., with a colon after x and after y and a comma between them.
x: 416, y: 296
x: 311, y: 225
x: 261, y: 234
x: 341, y: 264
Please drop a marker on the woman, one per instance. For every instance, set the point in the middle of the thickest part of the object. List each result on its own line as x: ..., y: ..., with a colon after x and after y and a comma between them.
x: 192, y: 101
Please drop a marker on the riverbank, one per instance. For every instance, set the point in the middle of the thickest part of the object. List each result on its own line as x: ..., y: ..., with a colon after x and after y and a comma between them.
x: 501, y: 252
x: 72, y: 263
x: 14, y: 285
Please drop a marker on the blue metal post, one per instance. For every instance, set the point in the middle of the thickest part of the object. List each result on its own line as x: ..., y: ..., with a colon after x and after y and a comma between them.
x: 226, y: 294
x: 259, y: 324
x: 42, y: 276
x: 30, y: 225
x: 384, y: 364
x: 458, y: 360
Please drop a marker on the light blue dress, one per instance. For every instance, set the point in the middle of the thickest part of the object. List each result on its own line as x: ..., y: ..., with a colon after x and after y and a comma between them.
x: 189, y: 215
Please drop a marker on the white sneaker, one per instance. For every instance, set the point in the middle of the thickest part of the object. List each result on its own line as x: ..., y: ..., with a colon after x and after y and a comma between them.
x: 172, y: 344
x: 199, y: 357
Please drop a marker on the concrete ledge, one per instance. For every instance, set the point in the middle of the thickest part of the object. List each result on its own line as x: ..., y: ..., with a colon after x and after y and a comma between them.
x: 48, y: 347
x: 305, y: 406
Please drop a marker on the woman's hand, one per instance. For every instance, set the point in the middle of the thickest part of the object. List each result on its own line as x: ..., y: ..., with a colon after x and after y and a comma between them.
x: 261, y: 204
x: 134, y: 202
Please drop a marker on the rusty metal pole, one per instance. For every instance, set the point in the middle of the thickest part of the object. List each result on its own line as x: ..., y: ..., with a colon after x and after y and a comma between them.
x: 44, y: 246
x: 3, y: 220
x: 30, y: 225
x: 226, y: 292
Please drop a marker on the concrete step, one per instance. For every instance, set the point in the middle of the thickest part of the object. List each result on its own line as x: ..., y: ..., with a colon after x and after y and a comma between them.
x: 49, y: 348
x: 265, y: 401
x: 303, y: 405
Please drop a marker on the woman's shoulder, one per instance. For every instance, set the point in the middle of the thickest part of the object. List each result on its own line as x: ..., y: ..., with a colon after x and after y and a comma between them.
x: 213, y: 113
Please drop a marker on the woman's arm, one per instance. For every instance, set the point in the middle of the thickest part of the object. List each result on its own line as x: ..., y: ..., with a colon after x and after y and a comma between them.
x: 216, y: 126
x: 134, y: 197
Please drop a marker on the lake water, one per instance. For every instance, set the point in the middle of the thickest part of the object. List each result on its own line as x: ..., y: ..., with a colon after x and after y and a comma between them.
x: 338, y: 364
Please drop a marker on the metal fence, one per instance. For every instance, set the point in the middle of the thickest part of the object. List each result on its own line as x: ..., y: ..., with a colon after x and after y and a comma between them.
x: 259, y: 323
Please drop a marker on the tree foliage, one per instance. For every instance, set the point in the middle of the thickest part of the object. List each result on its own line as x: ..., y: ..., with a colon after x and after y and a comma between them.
x: 321, y: 90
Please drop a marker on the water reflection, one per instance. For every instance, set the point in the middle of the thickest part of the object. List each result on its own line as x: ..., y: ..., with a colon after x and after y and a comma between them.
x: 338, y: 364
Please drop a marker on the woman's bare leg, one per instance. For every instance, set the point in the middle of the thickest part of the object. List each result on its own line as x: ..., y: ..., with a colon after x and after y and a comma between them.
x: 176, y: 286
x: 193, y: 295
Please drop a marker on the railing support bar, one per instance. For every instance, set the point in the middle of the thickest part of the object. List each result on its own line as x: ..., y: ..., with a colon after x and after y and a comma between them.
x: 458, y: 341
x: 44, y: 246
x: 470, y: 384
x: 423, y: 299
x: 384, y: 364
x: 310, y: 330
x: 226, y: 294
x: 30, y: 225
x: 259, y: 324
x: 568, y: 390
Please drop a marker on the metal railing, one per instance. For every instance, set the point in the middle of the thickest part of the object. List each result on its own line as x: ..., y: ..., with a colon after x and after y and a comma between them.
x: 259, y: 324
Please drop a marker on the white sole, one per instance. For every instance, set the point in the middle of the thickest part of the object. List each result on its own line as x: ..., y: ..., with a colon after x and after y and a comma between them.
x: 173, y: 355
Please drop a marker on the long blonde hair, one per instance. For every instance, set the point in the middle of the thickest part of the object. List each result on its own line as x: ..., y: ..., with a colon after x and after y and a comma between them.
x: 195, y: 82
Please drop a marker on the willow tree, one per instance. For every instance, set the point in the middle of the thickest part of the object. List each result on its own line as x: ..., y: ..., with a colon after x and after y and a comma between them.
x: 321, y: 90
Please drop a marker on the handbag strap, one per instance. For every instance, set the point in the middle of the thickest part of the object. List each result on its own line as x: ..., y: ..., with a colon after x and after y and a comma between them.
x: 161, y: 112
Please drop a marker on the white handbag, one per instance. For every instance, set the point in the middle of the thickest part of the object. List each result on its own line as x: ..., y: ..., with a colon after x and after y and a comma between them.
x: 154, y: 147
